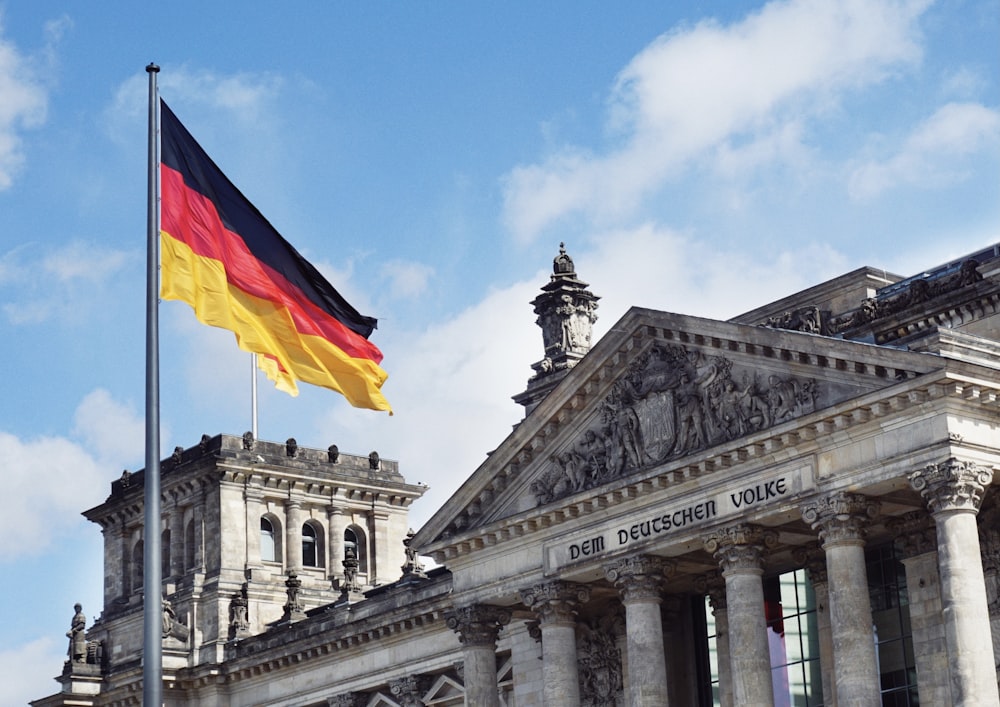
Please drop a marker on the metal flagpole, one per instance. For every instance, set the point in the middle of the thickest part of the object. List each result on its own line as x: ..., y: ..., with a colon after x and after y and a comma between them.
x: 253, y: 395
x: 152, y: 610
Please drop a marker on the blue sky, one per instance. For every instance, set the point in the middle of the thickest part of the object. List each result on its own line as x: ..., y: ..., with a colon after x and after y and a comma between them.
x: 701, y: 157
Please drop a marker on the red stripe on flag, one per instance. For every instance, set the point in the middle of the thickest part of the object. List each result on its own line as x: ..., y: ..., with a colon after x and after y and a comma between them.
x: 191, y: 218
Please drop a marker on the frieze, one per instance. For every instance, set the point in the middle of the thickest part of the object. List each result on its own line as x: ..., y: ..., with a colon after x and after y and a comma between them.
x: 661, y: 522
x: 672, y: 401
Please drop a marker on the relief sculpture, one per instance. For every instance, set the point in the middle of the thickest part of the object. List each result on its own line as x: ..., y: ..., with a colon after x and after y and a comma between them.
x: 672, y: 401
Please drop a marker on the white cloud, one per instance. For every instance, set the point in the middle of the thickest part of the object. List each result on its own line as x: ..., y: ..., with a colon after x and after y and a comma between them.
x: 54, y: 478
x: 113, y: 430
x: 406, y: 279
x: 694, y: 90
x: 23, y: 105
x: 934, y: 153
x: 56, y: 282
x: 26, y: 669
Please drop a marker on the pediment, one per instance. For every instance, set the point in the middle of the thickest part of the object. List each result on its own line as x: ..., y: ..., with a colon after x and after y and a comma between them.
x: 657, y: 390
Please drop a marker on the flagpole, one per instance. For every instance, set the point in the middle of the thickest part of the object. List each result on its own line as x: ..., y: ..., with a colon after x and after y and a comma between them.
x: 152, y: 614
x: 253, y: 395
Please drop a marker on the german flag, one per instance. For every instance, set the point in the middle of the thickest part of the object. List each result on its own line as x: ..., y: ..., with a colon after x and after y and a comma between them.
x: 222, y: 257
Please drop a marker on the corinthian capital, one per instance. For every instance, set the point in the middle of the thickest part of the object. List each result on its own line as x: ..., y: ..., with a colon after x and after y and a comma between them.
x: 740, y: 547
x: 841, y: 517
x: 639, y: 576
x: 556, y: 602
x: 953, y: 485
x: 479, y: 624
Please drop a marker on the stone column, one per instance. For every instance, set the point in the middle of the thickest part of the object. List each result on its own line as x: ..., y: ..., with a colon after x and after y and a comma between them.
x: 739, y: 549
x: 953, y: 491
x: 556, y: 604
x: 639, y: 581
x: 254, y: 497
x: 812, y: 558
x: 293, y: 535
x: 916, y: 541
x: 842, y: 519
x: 714, y: 586
x: 478, y: 627
x: 335, y: 541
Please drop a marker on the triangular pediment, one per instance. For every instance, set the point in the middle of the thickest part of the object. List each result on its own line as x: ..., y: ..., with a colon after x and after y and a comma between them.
x: 659, y: 389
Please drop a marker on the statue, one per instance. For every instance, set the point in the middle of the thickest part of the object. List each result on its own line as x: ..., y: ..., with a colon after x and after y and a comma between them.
x: 413, y: 565
x: 350, y: 570
x: 77, y: 636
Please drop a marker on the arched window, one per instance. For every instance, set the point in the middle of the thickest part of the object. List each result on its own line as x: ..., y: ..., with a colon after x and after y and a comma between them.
x: 308, y: 546
x: 137, y: 566
x: 189, y: 554
x: 354, y: 540
x: 267, y: 544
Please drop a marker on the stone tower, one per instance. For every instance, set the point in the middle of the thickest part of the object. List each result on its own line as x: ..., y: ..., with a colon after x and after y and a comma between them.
x: 566, y: 312
x: 253, y: 534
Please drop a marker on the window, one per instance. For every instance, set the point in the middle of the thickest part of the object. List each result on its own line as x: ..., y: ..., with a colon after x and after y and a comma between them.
x: 793, y: 638
x: 354, y: 540
x: 267, y: 544
x: 137, y: 566
x: 165, y: 554
x: 309, y: 546
x: 189, y: 554
x: 793, y: 641
x: 893, y: 635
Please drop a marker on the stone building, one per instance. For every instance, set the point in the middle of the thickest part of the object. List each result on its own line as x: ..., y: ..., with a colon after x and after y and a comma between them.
x: 791, y: 507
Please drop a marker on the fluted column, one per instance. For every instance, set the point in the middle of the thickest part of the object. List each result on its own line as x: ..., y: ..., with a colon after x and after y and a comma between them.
x: 739, y: 549
x: 841, y: 520
x: 714, y: 586
x: 953, y: 491
x: 556, y: 605
x: 639, y: 581
x: 478, y: 627
x: 916, y: 543
x: 813, y: 559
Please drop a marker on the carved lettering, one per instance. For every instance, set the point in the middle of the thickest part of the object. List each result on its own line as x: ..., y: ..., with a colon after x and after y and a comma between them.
x: 759, y: 493
x: 586, y: 548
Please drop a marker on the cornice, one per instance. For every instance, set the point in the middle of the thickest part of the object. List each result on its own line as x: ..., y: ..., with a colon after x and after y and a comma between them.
x: 636, y: 332
x: 800, y: 436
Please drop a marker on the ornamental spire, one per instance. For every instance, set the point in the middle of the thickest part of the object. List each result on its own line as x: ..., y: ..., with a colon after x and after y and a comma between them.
x: 566, y: 311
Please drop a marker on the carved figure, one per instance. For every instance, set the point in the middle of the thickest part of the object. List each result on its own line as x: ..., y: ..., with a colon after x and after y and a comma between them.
x: 671, y: 402
x: 350, y: 570
x: 412, y: 564
x: 239, y: 623
x: 169, y: 617
x: 77, y: 636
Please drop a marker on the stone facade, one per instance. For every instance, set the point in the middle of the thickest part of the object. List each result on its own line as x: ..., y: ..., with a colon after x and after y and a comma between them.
x: 793, y: 506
